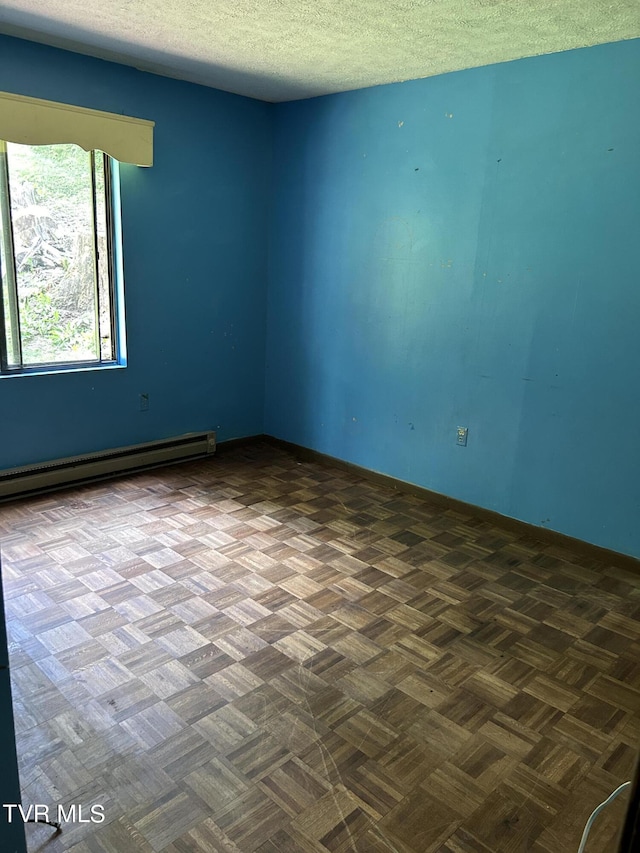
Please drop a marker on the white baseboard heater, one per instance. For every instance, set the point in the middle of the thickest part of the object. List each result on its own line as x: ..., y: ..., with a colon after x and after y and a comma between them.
x: 44, y: 476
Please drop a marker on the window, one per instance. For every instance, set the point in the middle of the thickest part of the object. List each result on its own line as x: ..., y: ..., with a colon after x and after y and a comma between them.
x: 58, y: 221
x: 58, y: 302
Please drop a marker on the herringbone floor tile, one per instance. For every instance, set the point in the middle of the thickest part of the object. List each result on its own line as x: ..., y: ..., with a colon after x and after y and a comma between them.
x: 253, y: 654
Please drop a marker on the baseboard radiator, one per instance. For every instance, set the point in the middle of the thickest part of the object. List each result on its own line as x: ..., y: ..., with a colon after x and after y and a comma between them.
x: 45, y: 476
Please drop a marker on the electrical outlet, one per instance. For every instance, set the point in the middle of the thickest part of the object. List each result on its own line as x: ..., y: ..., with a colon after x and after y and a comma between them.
x: 144, y: 402
x: 462, y: 433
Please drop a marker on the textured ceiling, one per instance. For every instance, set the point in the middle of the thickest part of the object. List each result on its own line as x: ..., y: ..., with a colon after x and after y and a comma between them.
x: 280, y: 50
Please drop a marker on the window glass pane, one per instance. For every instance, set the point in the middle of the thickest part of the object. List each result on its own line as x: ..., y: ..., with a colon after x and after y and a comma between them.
x: 10, y: 324
x: 9, y: 301
x: 107, y: 349
x: 54, y: 248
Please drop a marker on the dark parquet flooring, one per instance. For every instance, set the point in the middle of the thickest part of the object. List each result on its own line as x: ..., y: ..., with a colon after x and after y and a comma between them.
x: 253, y: 654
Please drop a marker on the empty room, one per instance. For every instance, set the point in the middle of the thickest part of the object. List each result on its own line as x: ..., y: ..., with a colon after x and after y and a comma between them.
x: 319, y: 470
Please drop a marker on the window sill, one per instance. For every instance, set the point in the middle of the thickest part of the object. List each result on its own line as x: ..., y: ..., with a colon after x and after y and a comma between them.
x: 58, y: 370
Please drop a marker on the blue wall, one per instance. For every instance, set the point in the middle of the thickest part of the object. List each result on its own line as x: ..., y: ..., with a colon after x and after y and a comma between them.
x: 460, y: 250
x: 463, y: 251
x: 12, y: 836
x: 195, y: 249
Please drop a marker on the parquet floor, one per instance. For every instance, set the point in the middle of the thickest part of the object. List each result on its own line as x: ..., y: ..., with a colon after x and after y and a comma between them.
x: 253, y: 654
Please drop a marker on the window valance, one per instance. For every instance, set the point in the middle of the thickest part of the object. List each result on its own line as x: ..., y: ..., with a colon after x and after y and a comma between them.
x: 31, y: 121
